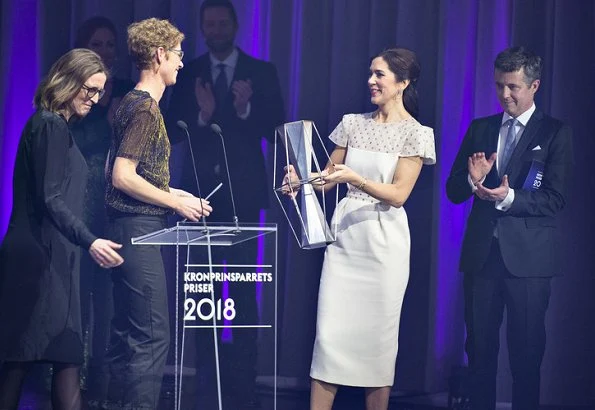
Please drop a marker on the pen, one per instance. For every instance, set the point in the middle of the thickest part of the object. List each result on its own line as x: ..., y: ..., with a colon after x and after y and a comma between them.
x: 214, y: 190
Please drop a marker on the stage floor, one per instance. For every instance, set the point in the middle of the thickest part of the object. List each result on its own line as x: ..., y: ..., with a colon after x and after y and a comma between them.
x: 36, y: 396
x: 347, y: 399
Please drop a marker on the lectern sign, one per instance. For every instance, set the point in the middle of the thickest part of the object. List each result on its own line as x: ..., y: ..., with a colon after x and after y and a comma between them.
x: 199, y: 284
x: 226, y: 312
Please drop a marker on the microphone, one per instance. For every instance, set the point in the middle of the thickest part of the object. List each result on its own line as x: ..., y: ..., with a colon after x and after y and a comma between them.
x: 181, y: 124
x: 217, y: 129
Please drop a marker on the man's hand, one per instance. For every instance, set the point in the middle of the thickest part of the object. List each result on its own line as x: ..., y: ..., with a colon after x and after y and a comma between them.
x: 479, y: 166
x: 204, y: 99
x: 493, y: 195
x: 242, y: 92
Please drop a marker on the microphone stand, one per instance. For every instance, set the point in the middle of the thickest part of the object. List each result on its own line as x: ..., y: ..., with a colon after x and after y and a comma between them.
x: 181, y: 124
x: 217, y: 129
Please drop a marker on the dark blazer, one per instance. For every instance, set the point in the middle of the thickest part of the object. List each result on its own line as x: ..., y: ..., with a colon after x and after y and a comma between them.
x: 526, y: 232
x: 242, y: 137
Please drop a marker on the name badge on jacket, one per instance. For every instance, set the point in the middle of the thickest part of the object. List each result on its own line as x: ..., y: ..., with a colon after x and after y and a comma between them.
x: 534, y: 177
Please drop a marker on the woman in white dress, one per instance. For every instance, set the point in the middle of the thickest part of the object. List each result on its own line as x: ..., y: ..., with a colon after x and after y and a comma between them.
x: 365, y: 272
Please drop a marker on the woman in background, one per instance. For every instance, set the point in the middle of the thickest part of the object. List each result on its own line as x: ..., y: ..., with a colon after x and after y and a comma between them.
x: 93, y: 136
x: 39, y: 257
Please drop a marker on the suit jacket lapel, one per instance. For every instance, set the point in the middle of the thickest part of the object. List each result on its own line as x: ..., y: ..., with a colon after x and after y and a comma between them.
x: 206, y: 73
x: 241, y: 73
x: 203, y: 69
x: 493, y: 132
x: 526, y: 138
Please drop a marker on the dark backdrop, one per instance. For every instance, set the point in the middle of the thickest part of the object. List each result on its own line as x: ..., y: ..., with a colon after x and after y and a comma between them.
x: 322, y: 51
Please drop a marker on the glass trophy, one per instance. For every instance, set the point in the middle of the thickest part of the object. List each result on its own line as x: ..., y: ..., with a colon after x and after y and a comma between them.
x: 304, y: 202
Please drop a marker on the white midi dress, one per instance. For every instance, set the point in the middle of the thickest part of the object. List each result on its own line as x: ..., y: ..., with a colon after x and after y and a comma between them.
x: 365, y: 272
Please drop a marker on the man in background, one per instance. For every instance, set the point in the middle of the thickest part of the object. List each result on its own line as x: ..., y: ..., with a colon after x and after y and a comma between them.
x: 242, y: 96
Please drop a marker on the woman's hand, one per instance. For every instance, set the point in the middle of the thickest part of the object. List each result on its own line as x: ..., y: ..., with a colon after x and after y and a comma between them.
x: 103, y: 252
x: 341, y: 173
x: 291, y: 182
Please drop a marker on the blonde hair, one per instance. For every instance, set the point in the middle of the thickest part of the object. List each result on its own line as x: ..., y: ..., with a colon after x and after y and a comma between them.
x: 147, y: 35
x: 66, y: 77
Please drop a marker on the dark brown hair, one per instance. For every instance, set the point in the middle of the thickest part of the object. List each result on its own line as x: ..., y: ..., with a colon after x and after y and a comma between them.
x: 404, y: 65
x: 514, y: 58
x: 89, y: 27
x: 66, y: 78
x: 226, y: 4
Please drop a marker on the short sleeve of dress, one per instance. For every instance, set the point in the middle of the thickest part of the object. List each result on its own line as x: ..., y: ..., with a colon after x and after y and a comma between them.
x: 420, y: 143
x: 339, y: 135
x: 141, y: 128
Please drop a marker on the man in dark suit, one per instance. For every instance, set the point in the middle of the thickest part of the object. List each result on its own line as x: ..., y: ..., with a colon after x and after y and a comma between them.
x: 242, y: 96
x: 516, y: 166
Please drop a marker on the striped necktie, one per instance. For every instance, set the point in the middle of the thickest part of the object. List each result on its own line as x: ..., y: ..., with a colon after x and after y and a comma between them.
x: 509, y: 145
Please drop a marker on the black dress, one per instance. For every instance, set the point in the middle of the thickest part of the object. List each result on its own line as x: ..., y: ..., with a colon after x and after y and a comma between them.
x: 39, y: 257
x: 93, y: 136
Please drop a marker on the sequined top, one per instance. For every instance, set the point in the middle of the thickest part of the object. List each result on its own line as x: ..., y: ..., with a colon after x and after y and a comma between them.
x: 139, y: 135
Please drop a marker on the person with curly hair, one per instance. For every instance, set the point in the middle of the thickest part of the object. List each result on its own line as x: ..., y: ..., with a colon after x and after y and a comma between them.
x: 138, y: 200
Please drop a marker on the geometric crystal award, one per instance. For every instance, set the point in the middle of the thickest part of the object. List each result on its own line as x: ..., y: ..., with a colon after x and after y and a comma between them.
x: 296, y: 144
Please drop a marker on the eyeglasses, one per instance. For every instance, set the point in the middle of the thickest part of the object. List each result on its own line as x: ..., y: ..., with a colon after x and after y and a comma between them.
x: 93, y: 91
x: 180, y: 53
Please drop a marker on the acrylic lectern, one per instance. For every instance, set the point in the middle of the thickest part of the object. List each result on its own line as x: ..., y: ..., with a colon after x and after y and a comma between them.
x: 225, y: 311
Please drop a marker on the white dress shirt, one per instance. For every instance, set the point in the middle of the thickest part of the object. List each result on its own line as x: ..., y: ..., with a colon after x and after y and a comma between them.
x: 230, y: 66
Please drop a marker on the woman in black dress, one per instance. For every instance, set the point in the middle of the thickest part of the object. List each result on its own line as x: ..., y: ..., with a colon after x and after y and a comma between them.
x: 39, y: 257
x: 93, y: 135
